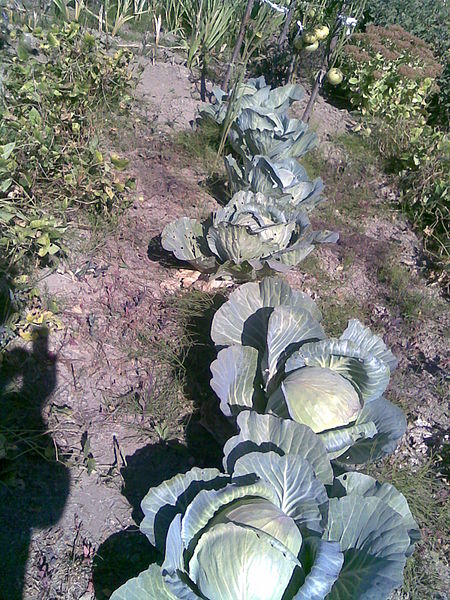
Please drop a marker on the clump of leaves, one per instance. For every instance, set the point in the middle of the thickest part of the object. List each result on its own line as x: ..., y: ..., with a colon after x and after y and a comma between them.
x: 253, y: 234
x: 54, y: 87
x: 390, y: 73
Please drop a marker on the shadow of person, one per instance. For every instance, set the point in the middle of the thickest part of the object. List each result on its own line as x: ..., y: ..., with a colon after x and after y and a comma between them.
x: 33, y: 484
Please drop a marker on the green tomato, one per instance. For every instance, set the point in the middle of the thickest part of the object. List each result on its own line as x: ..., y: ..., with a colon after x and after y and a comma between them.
x: 309, y: 38
x: 311, y: 47
x: 335, y: 76
x: 298, y: 43
x: 321, y: 32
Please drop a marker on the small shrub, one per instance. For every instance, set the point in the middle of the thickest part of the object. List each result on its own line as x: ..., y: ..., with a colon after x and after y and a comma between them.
x: 54, y: 87
x: 390, y: 74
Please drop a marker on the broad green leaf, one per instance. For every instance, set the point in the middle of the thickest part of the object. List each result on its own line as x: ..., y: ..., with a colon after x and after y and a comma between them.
x: 149, y: 585
x: 266, y: 433
x: 322, y: 561
x: 6, y: 150
x: 173, y: 568
x: 164, y: 502
x: 374, y: 540
x: 390, y: 423
x: 34, y: 117
x: 185, y: 238
x: 207, y: 503
x: 338, y: 441
x: 320, y: 398
x: 243, y: 319
x: 287, y: 328
x: 281, y: 97
x: 234, y: 372
x: 301, y: 495
x: 22, y: 51
x: 368, y: 342
x: 354, y: 483
x: 232, y: 562
x: 120, y: 163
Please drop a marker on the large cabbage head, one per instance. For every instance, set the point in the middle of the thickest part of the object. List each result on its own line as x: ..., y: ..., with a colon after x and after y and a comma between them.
x: 269, y: 528
x: 254, y: 93
x: 276, y: 359
x: 285, y: 178
x: 277, y: 137
x: 252, y: 233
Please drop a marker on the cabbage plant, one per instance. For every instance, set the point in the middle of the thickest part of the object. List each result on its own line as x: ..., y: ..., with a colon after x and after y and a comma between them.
x: 273, y: 135
x: 252, y: 234
x: 274, y: 526
x: 276, y: 359
x: 254, y: 93
x: 275, y: 179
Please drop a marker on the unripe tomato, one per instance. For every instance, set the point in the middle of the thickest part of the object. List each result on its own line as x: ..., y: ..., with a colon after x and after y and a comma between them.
x: 321, y: 32
x: 309, y: 38
x: 298, y: 43
x: 335, y: 76
x: 311, y: 47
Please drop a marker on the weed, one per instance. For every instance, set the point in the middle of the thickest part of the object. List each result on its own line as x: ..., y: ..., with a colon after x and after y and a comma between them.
x: 202, y: 144
x: 404, y: 292
x: 339, y: 310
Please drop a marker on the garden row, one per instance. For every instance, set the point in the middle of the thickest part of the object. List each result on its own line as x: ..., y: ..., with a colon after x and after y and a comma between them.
x: 288, y: 517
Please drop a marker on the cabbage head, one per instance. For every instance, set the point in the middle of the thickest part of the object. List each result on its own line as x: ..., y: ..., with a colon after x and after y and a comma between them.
x: 252, y: 234
x: 273, y: 135
x: 275, y: 526
x: 285, y: 178
x: 254, y: 93
x: 276, y: 359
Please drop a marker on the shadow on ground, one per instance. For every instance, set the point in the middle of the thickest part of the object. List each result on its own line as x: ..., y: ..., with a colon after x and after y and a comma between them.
x: 126, y: 554
x: 33, y: 485
x: 156, y: 253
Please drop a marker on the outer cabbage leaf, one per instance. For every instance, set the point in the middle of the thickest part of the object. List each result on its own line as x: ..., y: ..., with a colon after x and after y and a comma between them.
x: 390, y: 423
x: 354, y: 483
x: 243, y: 319
x: 149, y: 585
x: 374, y: 540
x: 233, y: 375
x: 164, y: 502
x: 325, y: 561
x: 368, y: 342
x: 265, y: 433
x: 284, y: 178
x: 301, y: 495
x: 186, y: 239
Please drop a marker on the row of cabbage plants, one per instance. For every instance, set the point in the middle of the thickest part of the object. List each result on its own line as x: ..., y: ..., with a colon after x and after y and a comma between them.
x: 265, y: 226
x: 288, y: 517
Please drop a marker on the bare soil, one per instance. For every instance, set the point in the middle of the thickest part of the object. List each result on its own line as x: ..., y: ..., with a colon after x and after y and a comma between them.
x: 101, y: 393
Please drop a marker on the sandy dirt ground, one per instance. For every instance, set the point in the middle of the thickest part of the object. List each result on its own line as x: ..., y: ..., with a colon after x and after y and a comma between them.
x: 104, y: 403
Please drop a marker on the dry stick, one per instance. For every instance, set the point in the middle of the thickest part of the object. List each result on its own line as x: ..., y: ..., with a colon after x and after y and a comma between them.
x: 237, y: 48
x: 284, y: 33
x: 320, y: 78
